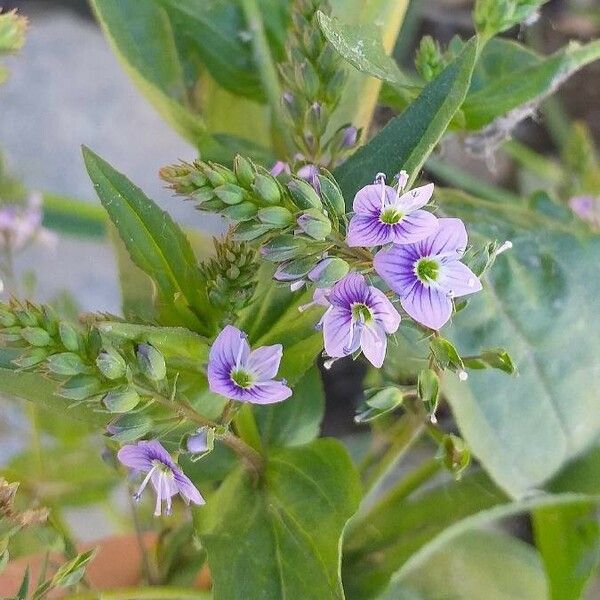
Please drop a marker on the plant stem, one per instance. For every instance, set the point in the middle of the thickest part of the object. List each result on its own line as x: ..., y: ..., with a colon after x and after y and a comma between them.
x: 147, y: 593
x: 267, y: 70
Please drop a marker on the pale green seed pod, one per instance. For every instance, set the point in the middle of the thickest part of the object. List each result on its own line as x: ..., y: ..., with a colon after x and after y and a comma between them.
x: 111, y: 364
x: 67, y: 363
x: 36, y: 336
x: 151, y: 362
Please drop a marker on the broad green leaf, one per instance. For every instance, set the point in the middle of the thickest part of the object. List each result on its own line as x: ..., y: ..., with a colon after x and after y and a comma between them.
x: 423, y: 558
x: 568, y: 539
x: 297, y: 420
x: 41, y: 390
x: 541, y: 304
x: 524, y: 88
x: 274, y: 317
x: 144, y: 40
x: 407, y: 140
x: 156, y: 244
x: 280, y: 537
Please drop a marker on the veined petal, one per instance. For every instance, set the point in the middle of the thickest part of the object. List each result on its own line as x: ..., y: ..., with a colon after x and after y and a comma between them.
x: 336, y: 331
x: 350, y: 289
x: 164, y: 485
x: 384, y: 311
x: 396, y: 267
x: 414, y: 227
x: 427, y: 305
x: 156, y: 451
x: 415, y: 198
x: 367, y: 230
x: 229, y: 347
x: 264, y: 362
x: 135, y: 456
x: 368, y: 199
x: 188, y: 490
x: 457, y: 279
x: 451, y: 236
x: 267, y: 392
x: 373, y: 343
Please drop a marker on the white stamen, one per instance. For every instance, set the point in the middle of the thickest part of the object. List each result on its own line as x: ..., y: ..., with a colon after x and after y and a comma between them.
x: 380, y: 178
x: 142, y: 487
x: 238, y: 360
x: 159, y: 492
x: 504, y: 247
x: 433, y: 419
x: 296, y: 285
x: 402, y: 181
x: 462, y: 375
x: 329, y: 363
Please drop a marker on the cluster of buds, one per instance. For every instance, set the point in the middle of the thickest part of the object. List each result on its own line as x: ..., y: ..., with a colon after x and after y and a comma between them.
x: 120, y: 375
x: 295, y: 222
x: 230, y: 276
x: 429, y: 60
x: 313, y: 80
x: 495, y: 16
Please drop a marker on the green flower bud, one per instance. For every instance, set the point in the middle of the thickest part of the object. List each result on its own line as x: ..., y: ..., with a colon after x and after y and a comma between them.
x: 151, y: 362
x: 80, y: 387
x: 230, y: 193
x: 203, y: 195
x: 455, y: 454
x: 129, y: 427
x: 293, y: 270
x: 284, y: 247
x: 445, y: 354
x: 36, y: 336
x: 26, y: 318
x: 332, y: 195
x: 248, y: 231
x: 276, y: 215
x: 111, y: 364
x: 7, y: 319
x: 329, y: 271
x: 69, y: 337
x: 304, y: 194
x: 428, y: 389
x: 241, y: 212
x: 314, y: 224
x: 215, y: 177
x: 67, y: 363
x: 29, y: 359
x: 244, y: 171
x: 267, y: 189
x: 122, y: 400
x: 378, y: 403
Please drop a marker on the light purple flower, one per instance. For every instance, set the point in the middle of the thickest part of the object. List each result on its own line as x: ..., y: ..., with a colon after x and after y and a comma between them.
x: 20, y: 224
x: 166, y: 477
x: 238, y: 373
x: 359, y: 316
x: 586, y: 208
x: 383, y: 214
x: 280, y: 167
x: 198, y: 442
x: 428, y: 274
x: 310, y: 173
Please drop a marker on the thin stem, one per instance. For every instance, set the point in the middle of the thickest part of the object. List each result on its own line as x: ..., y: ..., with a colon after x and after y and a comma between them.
x: 147, y: 572
x: 266, y: 69
x: 147, y: 593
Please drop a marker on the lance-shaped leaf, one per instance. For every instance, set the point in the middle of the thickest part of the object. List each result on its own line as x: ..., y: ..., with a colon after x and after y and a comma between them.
x: 156, y: 245
x: 407, y: 140
x: 280, y: 537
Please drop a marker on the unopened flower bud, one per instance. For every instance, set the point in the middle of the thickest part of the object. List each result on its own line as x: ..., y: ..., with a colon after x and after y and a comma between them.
x: 276, y: 215
x: 29, y: 359
x: 310, y: 173
x: 314, y: 224
x: 304, y: 194
x: 284, y: 247
x: 202, y: 441
x: 36, y: 336
x: 122, y: 400
x: 151, y: 362
x: 69, y: 337
x: 293, y: 270
x: 280, y: 167
x: 244, y: 171
x: 241, y: 212
x: 7, y: 319
x: 111, y: 364
x: 67, y: 363
x: 129, y: 427
x: 350, y: 137
x: 229, y: 193
x: 329, y: 271
x: 456, y: 454
x: 332, y: 195
x: 80, y: 387
x: 267, y: 189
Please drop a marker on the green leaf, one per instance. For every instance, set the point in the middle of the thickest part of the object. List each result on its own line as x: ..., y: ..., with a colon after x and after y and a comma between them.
x: 143, y: 38
x: 156, y: 244
x: 508, y: 86
x: 280, y: 537
x: 407, y: 140
x: 568, y: 539
x: 476, y: 565
x: 297, y: 420
x: 448, y: 538
x: 541, y: 305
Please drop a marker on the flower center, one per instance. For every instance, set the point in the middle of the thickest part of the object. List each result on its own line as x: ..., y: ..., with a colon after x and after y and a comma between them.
x: 361, y: 312
x: 161, y: 467
x: 391, y: 216
x: 241, y: 378
x: 427, y: 270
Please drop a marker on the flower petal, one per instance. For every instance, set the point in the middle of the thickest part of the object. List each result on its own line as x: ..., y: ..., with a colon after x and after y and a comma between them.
x: 451, y: 236
x: 352, y: 288
x: 415, y: 198
x: 188, y: 490
x: 458, y: 280
x: 368, y: 230
x: 337, y: 324
x: 373, y: 343
x: 396, y: 267
x: 414, y: 227
x: 384, y: 311
x: 135, y: 456
x: 267, y: 392
x: 427, y: 305
x: 368, y: 199
x: 229, y: 347
x: 264, y: 362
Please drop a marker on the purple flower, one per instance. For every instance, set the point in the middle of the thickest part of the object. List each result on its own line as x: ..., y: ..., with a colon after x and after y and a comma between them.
x: 161, y: 470
x: 383, y: 215
x: 198, y: 442
x: 359, y: 316
x: 236, y: 372
x: 20, y: 224
x: 310, y: 173
x: 428, y: 274
x: 280, y: 167
x: 586, y: 208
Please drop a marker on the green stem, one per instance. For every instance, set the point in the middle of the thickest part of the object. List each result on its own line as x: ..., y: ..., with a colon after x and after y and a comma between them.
x: 147, y: 593
x: 266, y: 69
x: 246, y: 426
